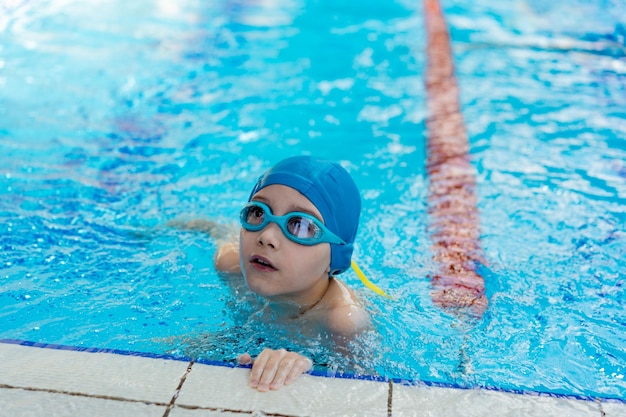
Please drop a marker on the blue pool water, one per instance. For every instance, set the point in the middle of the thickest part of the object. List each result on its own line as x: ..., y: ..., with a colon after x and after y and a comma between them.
x: 116, y: 117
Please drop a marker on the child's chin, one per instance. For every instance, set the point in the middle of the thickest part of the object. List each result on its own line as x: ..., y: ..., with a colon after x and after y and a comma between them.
x: 259, y: 286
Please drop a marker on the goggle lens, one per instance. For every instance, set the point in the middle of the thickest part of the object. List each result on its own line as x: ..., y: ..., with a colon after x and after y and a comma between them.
x: 301, y: 228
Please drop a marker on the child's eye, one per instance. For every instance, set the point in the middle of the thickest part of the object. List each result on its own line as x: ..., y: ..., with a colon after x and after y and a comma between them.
x: 255, y: 215
x: 302, y: 227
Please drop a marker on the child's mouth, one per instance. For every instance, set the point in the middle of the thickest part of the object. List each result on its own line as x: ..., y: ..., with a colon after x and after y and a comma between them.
x: 262, y: 263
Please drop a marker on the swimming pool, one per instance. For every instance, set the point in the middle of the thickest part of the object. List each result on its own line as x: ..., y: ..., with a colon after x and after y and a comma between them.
x: 116, y: 117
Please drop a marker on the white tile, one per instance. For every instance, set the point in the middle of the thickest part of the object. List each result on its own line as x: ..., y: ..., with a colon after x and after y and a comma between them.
x: 105, y: 374
x: 614, y: 409
x: 227, y: 388
x: 21, y: 403
x: 448, y: 402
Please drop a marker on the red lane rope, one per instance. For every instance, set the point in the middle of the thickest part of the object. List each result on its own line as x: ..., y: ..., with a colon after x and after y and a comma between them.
x: 455, y: 228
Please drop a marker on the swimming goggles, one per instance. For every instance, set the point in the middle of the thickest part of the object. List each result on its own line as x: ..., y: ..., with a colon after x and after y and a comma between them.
x: 298, y: 227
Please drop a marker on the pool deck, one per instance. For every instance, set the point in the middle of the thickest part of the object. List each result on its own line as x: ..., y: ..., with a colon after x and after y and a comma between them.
x: 36, y: 381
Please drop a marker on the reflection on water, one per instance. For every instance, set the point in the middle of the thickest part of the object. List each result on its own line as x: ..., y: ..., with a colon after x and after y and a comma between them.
x: 116, y: 117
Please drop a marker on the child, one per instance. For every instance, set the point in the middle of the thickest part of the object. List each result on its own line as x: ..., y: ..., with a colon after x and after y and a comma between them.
x: 297, y: 233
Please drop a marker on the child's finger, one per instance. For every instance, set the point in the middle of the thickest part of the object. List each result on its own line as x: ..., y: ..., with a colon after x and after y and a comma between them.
x: 287, y: 364
x: 302, y: 365
x: 274, y: 368
x: 271, y: 364
x: 244, y: 359
x: 259, y: 373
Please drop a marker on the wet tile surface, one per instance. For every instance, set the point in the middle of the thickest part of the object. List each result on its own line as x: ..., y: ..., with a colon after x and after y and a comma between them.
x: 22, y: 403
x: 310, y: 396
x: 448, y: 402
x: 614, y: 409
x: 36, y: 381
x: 96, y: 374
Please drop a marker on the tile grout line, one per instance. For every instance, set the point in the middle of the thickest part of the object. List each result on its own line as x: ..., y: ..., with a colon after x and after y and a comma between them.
x: 169, y: 407
x: 602, y: 413
x: 183, y: 379
x: 80, y: 394
x: 235, y: 411
x: 179, y: 388
x: 390, y: 399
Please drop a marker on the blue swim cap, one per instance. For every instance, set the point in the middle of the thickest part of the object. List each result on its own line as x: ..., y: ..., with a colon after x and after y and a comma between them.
x: 331, y: 190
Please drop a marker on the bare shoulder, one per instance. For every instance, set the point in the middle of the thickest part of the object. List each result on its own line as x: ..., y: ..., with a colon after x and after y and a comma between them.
x: 226, y: 258
x: 348, y: 320
x: 346, y: 314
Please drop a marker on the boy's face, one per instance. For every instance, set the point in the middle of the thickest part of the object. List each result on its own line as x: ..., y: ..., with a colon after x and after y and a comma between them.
x: 273, y: 265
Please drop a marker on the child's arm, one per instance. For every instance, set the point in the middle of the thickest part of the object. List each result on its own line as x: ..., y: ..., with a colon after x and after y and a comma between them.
x: 216, y: 230
x: 226, y: 257
x: 273, y: 369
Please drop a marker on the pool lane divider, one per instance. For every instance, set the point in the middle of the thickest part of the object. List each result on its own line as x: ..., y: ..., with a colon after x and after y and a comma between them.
x: 454, y: 221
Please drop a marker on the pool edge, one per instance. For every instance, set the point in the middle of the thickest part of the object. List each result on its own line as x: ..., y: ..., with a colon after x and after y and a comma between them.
x: 373, y: 378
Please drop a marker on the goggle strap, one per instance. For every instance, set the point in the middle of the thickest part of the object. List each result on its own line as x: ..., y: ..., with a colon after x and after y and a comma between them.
x: 369, y: 284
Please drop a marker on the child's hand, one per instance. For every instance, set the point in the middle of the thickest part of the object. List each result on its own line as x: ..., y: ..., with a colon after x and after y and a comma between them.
x: 274, y: 368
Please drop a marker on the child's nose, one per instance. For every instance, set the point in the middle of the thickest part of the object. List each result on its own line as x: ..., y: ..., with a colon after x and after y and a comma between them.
x: 270, y: 235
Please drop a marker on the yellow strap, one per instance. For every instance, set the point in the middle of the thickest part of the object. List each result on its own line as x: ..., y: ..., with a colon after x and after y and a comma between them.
x: 369, y: 284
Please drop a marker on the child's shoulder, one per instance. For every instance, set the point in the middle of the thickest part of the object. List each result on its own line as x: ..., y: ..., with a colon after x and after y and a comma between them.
x: 346, y: 315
